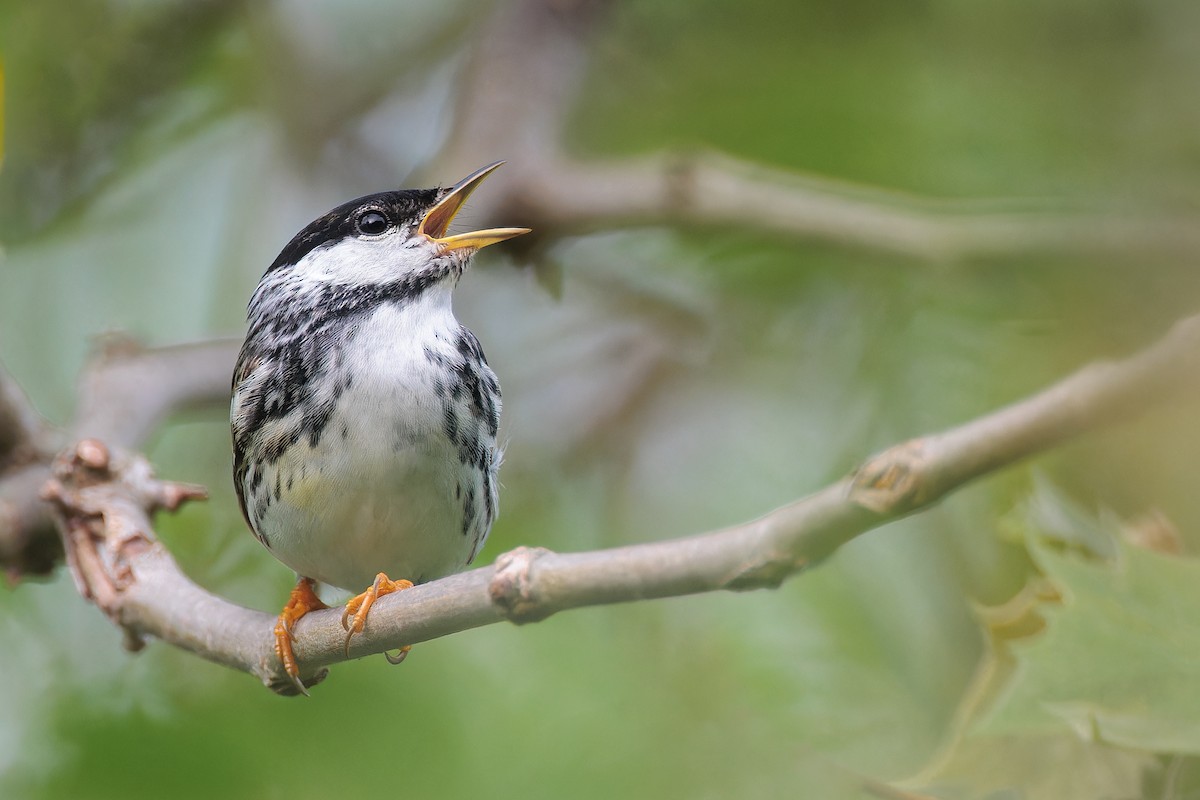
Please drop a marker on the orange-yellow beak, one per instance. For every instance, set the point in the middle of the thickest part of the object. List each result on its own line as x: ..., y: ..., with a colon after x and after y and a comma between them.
x: 438, y: 219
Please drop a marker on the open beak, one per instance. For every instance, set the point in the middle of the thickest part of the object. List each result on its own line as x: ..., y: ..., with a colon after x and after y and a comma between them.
x: 438, y: 219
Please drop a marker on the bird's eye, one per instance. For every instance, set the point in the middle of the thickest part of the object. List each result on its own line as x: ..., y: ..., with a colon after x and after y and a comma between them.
x: 371, y: 223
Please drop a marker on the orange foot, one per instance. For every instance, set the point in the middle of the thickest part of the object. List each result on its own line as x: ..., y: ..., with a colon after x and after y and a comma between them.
x: 360, y: 606
x: 302, y: 600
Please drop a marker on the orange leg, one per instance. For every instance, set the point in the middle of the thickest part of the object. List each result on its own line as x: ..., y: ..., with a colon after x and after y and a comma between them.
x: 302, y: 600
x: 360, y: 605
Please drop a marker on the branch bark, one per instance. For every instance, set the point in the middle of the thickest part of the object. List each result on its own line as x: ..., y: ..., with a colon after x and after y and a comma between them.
x: 27, y: 542
x: 125, y: 393
x: 515, y: 99
x: 104, y: 504
x: 706, y: 189
x: 127, y: 390
x: 23, y: 432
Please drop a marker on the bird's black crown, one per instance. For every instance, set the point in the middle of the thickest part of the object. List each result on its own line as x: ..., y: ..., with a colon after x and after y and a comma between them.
x: 404, y: 207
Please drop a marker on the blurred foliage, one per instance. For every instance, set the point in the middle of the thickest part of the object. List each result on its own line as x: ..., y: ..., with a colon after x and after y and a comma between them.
x: 1131, y: 621
x: 159, y: 154
x: 1088, y: 672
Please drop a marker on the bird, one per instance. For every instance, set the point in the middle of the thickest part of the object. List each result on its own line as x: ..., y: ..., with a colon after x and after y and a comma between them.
x: 364, y: 415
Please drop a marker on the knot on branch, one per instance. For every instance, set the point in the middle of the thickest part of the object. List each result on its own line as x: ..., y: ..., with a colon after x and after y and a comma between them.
x: 90, y: 480
x: 514, y: 586
x: 680, y: 181
x: 895, y: 482
x: 103, y: 500
x: 766, y: 570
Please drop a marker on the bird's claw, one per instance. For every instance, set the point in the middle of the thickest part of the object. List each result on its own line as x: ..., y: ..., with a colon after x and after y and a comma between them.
x: 400, y: 656
x: 354, y: 615
x: 302, y: 600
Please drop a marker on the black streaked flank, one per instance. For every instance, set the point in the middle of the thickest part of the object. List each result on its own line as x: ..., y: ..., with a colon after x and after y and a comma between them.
x: 468, y: 521
x: 296, y: 339
x: 469, y: 400
x: 489, y: 497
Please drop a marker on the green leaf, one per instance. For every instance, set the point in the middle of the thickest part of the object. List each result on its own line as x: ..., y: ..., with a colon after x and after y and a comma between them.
x: 1040, y: 767
x: 1119, y: 662
x: 1090, y: 672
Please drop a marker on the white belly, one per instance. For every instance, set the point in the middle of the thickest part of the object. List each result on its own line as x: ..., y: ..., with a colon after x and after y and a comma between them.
x: 384, y: 488
x: 358, y: 508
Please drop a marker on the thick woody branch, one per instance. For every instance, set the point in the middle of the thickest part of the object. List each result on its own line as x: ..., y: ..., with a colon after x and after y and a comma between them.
x: 23, y: 432
x: 144, y: 591
x: 27, y: 442
x: 125, y: 394
x: 515, y: 95
x: 520, y: 84
x: 103, y: 507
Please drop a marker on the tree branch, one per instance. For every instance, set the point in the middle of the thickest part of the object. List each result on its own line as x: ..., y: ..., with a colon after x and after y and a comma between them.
x: 125, y: 393
x: 23, y: 432
x: 103, y: 505
x: 707, y: 189
x: 512, y: 104
x: 128, y: 390
x: 515, y: 98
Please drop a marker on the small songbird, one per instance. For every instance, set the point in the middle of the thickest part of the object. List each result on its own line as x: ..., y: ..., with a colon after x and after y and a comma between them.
x: 364, y: 415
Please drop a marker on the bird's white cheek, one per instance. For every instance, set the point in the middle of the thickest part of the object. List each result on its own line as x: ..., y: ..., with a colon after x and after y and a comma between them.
x: 365, y: 261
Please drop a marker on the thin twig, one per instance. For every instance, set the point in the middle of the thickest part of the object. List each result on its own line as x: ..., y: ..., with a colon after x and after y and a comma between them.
x: 715, y: 191
x: 519, y: 89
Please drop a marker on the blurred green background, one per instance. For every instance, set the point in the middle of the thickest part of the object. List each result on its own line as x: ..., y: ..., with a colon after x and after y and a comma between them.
x: 159, y: 154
